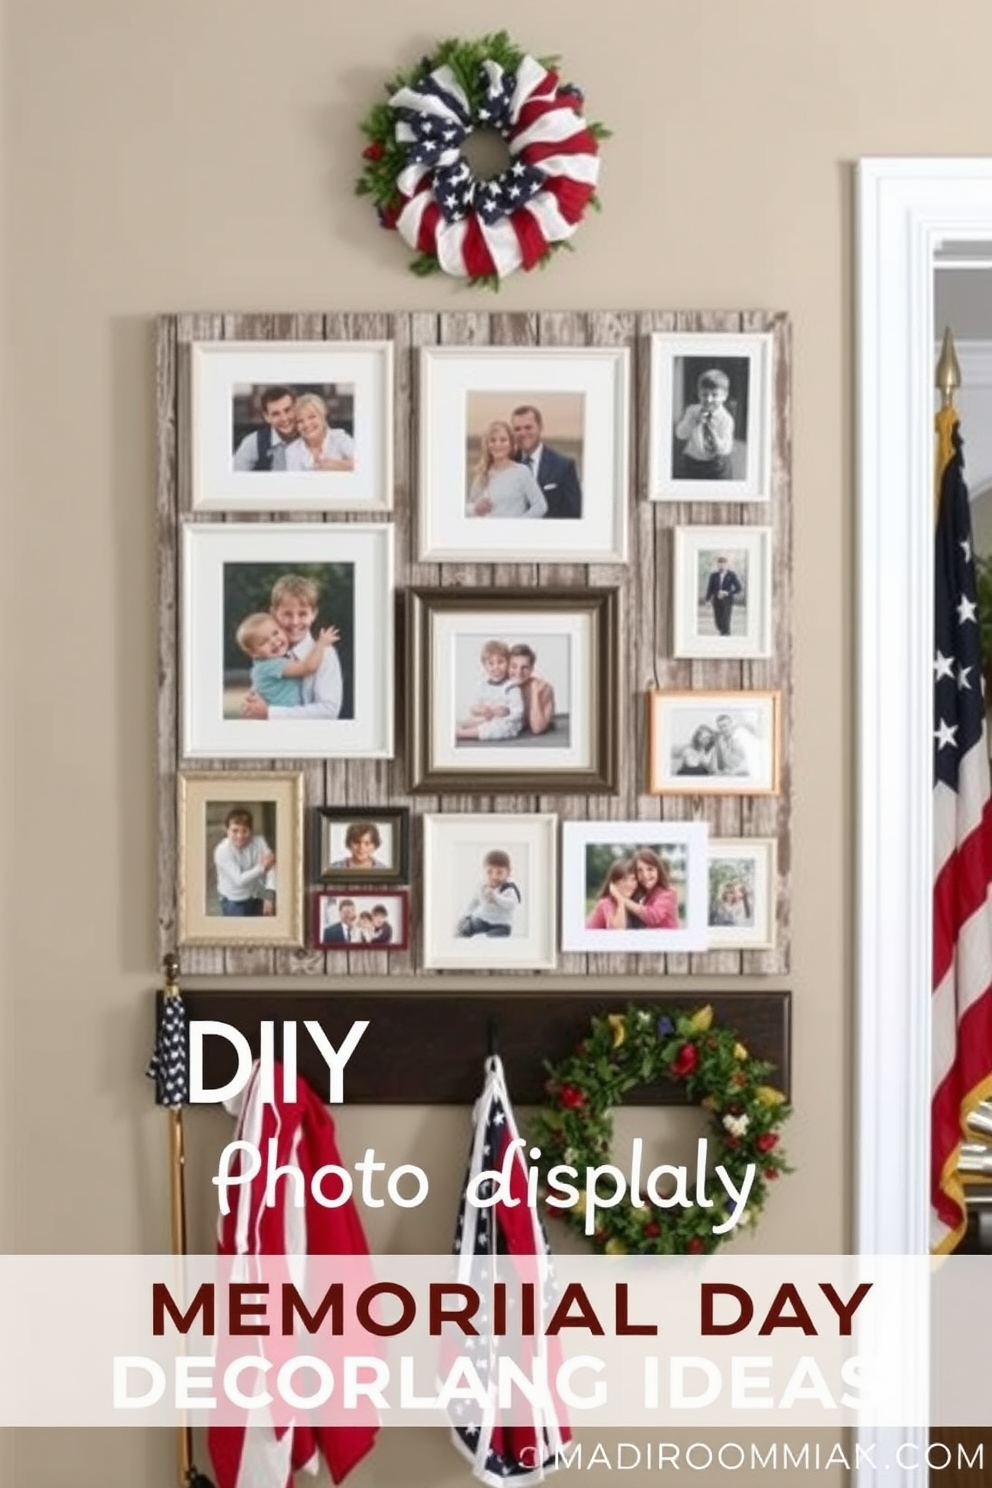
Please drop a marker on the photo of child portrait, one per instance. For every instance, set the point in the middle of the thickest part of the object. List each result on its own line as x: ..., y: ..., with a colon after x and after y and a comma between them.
x: 360, y: 920
x: 523, y: 455
x: 494, y: 905
x: 635, y: 886
x: 361, y: 847
x: 490, y: 891
x: 731, y: 893
x: 292, y: 427
x: 288, y: 641
x: 240, y: 875
x: 239, y: 871
x: 507, y: 691
x: 709, y: 438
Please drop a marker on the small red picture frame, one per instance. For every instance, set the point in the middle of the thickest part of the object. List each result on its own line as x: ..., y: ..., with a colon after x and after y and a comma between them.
x: 361, y: 919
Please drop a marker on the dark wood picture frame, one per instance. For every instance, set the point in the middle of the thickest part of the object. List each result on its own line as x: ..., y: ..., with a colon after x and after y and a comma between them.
x: 397, y: 816
x: 599, y: 777
x: 363, y: 898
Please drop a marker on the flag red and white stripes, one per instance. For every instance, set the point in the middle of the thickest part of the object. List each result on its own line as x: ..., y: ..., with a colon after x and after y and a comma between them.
x: 961, y: 1009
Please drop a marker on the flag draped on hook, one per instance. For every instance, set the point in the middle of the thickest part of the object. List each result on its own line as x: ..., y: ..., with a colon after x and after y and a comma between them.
x: 498, y: 1230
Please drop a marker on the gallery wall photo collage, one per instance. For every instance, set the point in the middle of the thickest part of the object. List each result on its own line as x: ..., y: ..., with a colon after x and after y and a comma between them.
x: 475, y: 643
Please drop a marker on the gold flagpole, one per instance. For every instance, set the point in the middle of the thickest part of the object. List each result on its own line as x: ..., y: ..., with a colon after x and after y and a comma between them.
x: 947, y: 380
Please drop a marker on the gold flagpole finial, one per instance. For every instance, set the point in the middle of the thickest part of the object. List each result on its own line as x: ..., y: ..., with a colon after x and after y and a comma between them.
x: 948, y: 377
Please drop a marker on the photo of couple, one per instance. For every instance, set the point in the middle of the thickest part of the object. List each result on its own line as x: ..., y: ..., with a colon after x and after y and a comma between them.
x: 524, y: 456
x: 731, y: 745
x: 241, y: 875
x: 288, y: 641
x: 281, y: 428
x: 635, y: 887
x: 503, y: 696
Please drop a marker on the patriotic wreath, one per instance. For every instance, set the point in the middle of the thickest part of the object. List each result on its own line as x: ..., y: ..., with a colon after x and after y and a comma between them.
x: 423, y: 187
x: 640, y: 1047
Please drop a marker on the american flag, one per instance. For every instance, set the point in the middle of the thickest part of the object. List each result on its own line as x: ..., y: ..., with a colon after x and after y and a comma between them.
x: 961, y: 1072
x: 502, y: 1452
x: 168, y: 1066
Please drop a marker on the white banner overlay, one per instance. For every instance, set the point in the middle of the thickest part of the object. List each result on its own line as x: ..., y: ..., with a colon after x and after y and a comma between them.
x: 808, y: 1341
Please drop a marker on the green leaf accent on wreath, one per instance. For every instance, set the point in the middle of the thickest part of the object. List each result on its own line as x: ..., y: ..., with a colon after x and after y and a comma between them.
x: 716, y: 1070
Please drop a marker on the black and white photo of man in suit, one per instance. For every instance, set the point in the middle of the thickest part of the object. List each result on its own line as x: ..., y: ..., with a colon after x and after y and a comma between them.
x: 554, y: 472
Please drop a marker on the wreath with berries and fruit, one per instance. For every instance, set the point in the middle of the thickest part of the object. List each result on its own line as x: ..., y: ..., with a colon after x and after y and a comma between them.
x: 641, y: 1047
x: 422, y: 185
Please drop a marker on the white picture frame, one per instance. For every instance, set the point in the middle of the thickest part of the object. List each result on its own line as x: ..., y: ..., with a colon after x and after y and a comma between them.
x: 741, y: 875
x: 582, y: 400
x: 455, y: 848
x: 740, y: 469
x: 722, y: 617
x: 692, y: 751
x: 230, y: 567
x: 593, y: 851
x: 228, y: 382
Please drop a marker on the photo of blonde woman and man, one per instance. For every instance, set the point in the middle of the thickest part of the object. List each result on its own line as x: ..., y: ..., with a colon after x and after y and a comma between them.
x: 281, y: 428
x: 507, y: 691
x: 241, y: 871
x: 288, y: 641
x: 727, y: 744
x: 709, y: 439
x: 635, y: 886
x: 495, y: 908
x: 524, y: 455
x: 372, y: 920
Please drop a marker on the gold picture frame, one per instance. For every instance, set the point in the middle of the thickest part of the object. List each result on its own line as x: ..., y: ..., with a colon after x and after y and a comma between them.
x: 212, y: 807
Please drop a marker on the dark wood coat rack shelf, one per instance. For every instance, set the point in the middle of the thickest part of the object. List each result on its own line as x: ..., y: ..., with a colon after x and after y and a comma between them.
x: 429, y: 1050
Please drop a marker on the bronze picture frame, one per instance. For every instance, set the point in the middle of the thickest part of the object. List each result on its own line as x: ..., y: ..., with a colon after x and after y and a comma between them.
x: 567, y: 739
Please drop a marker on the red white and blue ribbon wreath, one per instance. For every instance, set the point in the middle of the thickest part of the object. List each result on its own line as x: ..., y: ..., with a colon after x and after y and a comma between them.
x: 456, y: 222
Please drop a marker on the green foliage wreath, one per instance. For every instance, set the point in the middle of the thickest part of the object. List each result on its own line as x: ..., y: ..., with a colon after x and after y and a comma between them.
x: 643, y: 1046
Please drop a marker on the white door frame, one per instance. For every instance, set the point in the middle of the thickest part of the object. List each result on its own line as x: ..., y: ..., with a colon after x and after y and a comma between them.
x: 906, y: 209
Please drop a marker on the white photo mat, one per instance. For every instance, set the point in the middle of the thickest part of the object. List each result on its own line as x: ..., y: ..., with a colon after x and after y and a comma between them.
x: 666, y: 348
x: 754, y: 640
x: 217, y: 366
x: 447, y: 376
x: 757, y: 857
x: 448, y: 632
x: 206, y: 549
x: 454, y: 847
x: 688, y: 837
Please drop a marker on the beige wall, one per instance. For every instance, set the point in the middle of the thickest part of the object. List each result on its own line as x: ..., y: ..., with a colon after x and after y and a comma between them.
x: 198, y: 154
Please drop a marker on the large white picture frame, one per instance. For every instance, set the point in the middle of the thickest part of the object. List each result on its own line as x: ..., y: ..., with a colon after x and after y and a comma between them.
x: 224, y: 375
x: 581, y: 399
x: 351, y: 567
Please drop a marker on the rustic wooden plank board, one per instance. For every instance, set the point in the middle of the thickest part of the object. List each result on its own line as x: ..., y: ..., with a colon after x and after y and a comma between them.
x: 645, y: 657
x: 410, y: 1060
